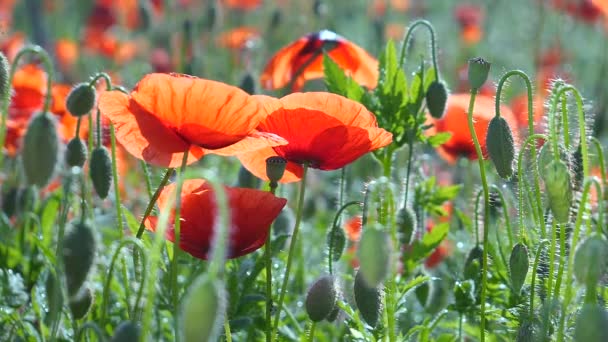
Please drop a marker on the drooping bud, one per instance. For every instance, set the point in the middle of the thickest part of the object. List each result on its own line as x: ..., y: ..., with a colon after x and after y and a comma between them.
x: 204, y: 309
x: 501, y: 148
x: 478, y: 72
x: 127, y: 331
x: 101, y: 171
x: 472, y: 264
x: 375, y: 249
x: 81, y: 99
x: 590, y: 260
x: 81, y: 303
x: 368, y: 300
x: 321, y: 298
x: 406, y: 223
x: 275, y: 168
x: 336, y: 241
x: 76, y: 152
x: 518, y: 266
x: 78, y: 255
x: 436, y: 99
x: 559, y: 189
x: 40, y: 154
x: 464, y: 295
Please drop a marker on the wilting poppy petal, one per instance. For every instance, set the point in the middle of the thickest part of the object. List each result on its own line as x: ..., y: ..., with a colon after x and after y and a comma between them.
x: 252, y: 212
x: 303, y: 60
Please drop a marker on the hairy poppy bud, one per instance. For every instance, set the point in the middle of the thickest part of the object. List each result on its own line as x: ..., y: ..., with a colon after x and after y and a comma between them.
x: 81, y: 99
x: 333, y: 314
x: 78, y: 255
x: 545, y: 157
x: 275, y: 168
x: 368, y: 300
x: 375, y: 249
x: 76, y: 152
x: 81, y: 303
x: 336, y: 241
x: 518, y: 266
x: 406, y: 222
x: 501, y: 148
x: 40, y: 153
x: 204, y: 309
x: 321, y: 298
x: 436, y: 99
x: 127, y: 331
x: 472, y: 264
x: 464, y: 295
x: 478, y: 72
x: 248, y: 84
x: 4, y: 75
x: 101, y: 171
x: 559, y: 189
x: 591, y: 324
x: 590, y: 260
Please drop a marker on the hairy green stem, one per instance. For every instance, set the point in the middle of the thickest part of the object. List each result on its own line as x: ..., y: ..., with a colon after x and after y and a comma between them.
x: 163, y: 182
x: 408, y: 37
x: 534, y: 268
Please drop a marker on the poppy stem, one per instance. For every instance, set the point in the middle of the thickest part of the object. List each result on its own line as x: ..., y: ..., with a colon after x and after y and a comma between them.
x: 268, y: 259
x: 408, y: 37
x: 152, y: 202
x: 524, y: 185
x: 486, y: 217
x: 117, y: 201
x: 300, y: 209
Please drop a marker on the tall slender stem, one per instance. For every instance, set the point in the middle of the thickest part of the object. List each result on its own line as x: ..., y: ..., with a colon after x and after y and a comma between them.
x: 292, y: 245
x: 408, y: 37
x: 152, y: 202
x: 268, y: 260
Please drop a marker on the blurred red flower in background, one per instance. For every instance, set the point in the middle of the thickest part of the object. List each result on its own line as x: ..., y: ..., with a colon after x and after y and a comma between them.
x: 470, y: 18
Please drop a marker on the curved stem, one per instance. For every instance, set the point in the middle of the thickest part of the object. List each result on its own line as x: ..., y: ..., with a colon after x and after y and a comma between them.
x: 408, y: 37
x: 486, y: 218
x: 291, y: 250
x: 520, y: 175
x: 150, y: 206
x: 100, y: 75
x: 330, y: 257
x: 89, y: 326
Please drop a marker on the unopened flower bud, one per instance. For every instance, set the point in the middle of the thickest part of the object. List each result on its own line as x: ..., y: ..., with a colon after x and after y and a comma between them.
x: 479, y: 69
x: 81, y: 99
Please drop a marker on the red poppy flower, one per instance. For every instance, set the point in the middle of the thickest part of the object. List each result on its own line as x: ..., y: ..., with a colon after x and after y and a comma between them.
x: 353, y: 228
x: 303, y: 60
x: 238, y: 38
x: 588, y: 11
x: 245, y: 5
x: 519, y: 106
x: 470, y: 18
x: 252, y: 212
x: 168, y: 114
x: 325, y: 130
x: 66, y: 51
x: 12, y: 44
x: 455, y: 122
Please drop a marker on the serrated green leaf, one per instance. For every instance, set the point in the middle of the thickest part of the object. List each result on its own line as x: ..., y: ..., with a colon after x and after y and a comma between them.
x: 439, y: 139
x: 335, y: 77
x: 424, y: 247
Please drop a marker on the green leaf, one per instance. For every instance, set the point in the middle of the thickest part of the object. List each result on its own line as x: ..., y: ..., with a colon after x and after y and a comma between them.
x: 424, y: 247
x: 335, y: 78
x: 439, y: 139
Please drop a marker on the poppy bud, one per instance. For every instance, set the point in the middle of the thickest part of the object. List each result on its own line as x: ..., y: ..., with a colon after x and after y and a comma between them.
x: 472, y: 264
x: 478, y: 72
x: 78, y: 255
x: 368, y: 300
x: 204, y: 309
x: 545, y: 157
x: 126, y: 331
x: 54, y: 297
x: 590, y: 260
x: 81, y: 99
x: 248, y: 84
x: 321, y: 298
x: 559, y: 189
x: 406, y: 222
x: 336, y: 241
x: 375, y: 249
x: 76, y: 152
x: 40, y: 152
x: 591, y: 324
x: 4, y: 76
x: 101, y: 171
x: 501, y: 148
x: 81, y: 303
x: 518, y: 266
x: 436, y: 99
x: 464, y: 295
x: 333, y: 314
x: 275, y: 168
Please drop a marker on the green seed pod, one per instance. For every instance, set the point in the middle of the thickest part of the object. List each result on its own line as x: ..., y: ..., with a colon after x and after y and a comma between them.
x: 375, y: 250
x: 473, y: 262
x: 321, y: 298
x: 501, y: 148
x: 81, y: 303
x: 78, y: 255
x: 406, y: 223
x: 40, y: 154
x: 591, y: 324
x: 436, y: 99
x: 203, y: 309
x: 368, y: 300
x: 4, y: 76
x: 248, y: 84
x: 478, y: 72
x: 81, y: 99
x: 54, y: 298
x: 101, y: 171
x: 545, y: 157
x: 590, y: 260
x: 127, y: 331
x: 559, y: 189
x: 275, y: 168
x: 464, y: 295
x: 518, y: 266
x: 76, y: 152
x: 246, y: 179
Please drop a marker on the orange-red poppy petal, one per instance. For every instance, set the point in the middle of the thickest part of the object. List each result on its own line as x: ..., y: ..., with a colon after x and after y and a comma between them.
x: 254, y: 141
x: 206, y: 113
x: 143, y: 134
